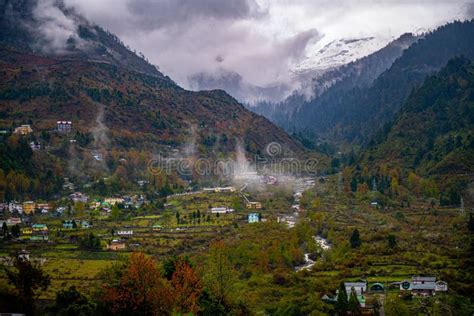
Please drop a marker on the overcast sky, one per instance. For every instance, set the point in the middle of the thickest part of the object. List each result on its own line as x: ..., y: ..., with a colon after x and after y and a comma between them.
x: 259, y: 39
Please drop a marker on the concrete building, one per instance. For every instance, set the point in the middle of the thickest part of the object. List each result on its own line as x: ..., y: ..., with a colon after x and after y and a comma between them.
x: 29, y: 207
x: 64, y: 126
x: 221, y: 210
x: 23, y: 130
x: 254, y: 205
x: 253, y: 218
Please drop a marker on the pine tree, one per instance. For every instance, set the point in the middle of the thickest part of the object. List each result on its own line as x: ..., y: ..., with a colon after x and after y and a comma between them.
x: 471, y: 223
x: 5, y: 230
x: 353, y: 304
x: 392, y: 241
x: 342, y: 301
x: 355, y: 239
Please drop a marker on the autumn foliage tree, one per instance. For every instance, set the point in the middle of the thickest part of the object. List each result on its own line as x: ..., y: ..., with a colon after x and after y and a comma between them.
x: 187, y: 288
x: 136, y: 288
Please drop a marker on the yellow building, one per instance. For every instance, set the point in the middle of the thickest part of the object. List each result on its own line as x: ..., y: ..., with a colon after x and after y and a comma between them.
x: 116, y: 245
x: 23, y: 130
x: 113, y: 201
x: 40, y: 228
x: 27, y: 231
x: 254, y: 205
x: 29, y: 207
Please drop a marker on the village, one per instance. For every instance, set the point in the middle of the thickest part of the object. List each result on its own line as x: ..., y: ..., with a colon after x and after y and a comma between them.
x: 79, y: 234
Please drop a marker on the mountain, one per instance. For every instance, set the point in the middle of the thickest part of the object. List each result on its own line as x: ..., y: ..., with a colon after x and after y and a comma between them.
x: 326, y: 55
x: 359, y: 73
x: 433, y: 133
x: 123, y: 111
x: 356, y: 114
x: 324, y: 63
x: 50, y: 28
x: 233, y: 83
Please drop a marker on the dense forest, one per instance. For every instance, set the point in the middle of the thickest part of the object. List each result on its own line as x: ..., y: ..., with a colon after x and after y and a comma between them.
x: 355, y: 115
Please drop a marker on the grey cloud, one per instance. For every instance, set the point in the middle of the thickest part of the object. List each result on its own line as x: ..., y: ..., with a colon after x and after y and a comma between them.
x: 152, y: 14
x: 470, y: 10
x: 54, y: 26
x: 255, y: 43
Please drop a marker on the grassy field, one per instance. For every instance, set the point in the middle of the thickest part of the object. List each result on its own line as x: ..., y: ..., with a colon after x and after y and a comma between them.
x: 429, y: 241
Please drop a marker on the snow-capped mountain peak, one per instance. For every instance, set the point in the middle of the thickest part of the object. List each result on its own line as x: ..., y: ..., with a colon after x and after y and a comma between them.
x: 330, y: 53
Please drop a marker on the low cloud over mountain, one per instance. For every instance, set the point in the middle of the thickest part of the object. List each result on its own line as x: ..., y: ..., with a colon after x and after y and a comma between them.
x: 262, y: 41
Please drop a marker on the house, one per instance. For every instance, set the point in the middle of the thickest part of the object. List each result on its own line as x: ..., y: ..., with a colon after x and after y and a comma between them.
x: 219, y: 189
x: 116, y: 245
x: 270, y: 180
x: 86, y: 225
x: 329, y: 299
x: 26, y: 231
x: 39, y: 232
x: 29, y: 207
x: 15, y: 207
x: 113, y: 200
x: 78, y: 197
x: 254, y: 205
x: 289, y: 220
x: 221, y: 210
x: 423, y: 285
x: 39, y: 237
x: 253, y: 218
x: 43, y: 206
x: 156, y: 227
x: 24, y: 255
x: 68, y: 185
x: 377, y: 287
x: 35, y: 146
x: 142, y: 182
x: 69, y: 224
x: 64, y: 126
x: 39, y: 228
x: 125, y: 233
x: 441, y: 286
x: 23, y: 130
x: 13, y: 221
x: 60, y: 210
x: 360, y: 289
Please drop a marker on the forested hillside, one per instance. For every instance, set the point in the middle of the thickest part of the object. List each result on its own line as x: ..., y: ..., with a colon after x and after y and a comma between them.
x: 432, y: 137
x: 360, y: 73
x: 119, y: 115
x: 355, y: 115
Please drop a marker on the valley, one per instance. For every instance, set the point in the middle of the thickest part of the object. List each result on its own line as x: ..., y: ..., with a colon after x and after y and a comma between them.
x: 123, y: 193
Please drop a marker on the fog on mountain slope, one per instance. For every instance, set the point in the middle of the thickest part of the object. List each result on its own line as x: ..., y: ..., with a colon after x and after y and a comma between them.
x: 262, y: 41
x: 351, y: 112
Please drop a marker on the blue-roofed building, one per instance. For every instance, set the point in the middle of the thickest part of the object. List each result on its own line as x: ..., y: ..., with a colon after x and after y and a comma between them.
x: 422, y: 285
x: 253, y: 218
x: 68, y: 224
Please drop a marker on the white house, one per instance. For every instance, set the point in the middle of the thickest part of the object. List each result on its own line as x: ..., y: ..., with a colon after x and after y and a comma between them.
x: 221, y: 210
x: 79, y: 197
x: 359, y: 287
x: 421, y: 285
x: 64, y: 126
x: 441, y: 286
x: 219, y: 189
x: 125, y: 233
